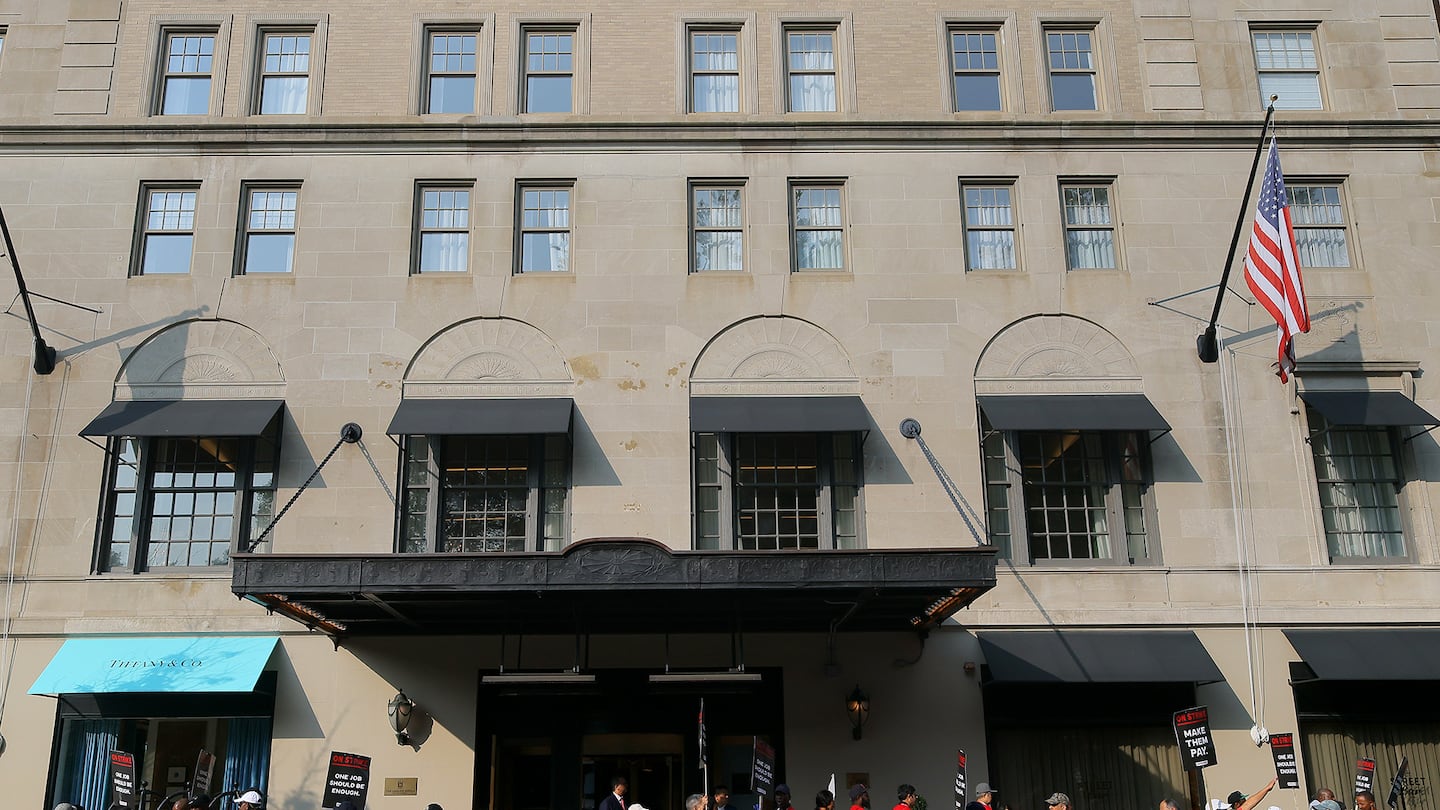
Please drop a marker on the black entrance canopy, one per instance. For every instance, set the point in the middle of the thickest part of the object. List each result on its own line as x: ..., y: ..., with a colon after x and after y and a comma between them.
x: 184, y: 417
x: 1072, y: 412
x: 1378, y: 408
x: 835, y: 414
x: 1098, y: 656
x: 475, y: 417
x: 1356, y: 654
x: 617, y: 585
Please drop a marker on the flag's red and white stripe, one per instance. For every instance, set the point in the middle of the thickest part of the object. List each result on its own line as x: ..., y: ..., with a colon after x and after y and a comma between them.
x: 1272, y: 267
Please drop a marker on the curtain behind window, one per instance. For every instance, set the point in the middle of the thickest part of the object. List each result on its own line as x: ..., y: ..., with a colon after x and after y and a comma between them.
x: 85, y: 772
x: 247, y: 753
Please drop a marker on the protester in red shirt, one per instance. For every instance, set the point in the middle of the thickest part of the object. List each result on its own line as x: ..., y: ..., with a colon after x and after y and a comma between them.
x: 906, y: 794
x: 859, y: 797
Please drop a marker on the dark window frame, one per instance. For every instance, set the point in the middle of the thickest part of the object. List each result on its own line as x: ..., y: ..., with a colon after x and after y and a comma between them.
x: 714, y: 184
x: 312, y: 56
x: 244, y: 231
x: 539, y: 456
x: 163, y: 73
x: 994, y: 30
x: 428, y: 72
x: 529, y: 30
x: 140, y: 240
x: 1320, y: 429
x: 554, y: 185
x: 418, y: 229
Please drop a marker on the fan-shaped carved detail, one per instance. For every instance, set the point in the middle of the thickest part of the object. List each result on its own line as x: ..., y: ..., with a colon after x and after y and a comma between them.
x: 207, y: 352
x: 1055, y: 346
x: 489, y: 349
x: 202, y: 368
x: 773, y: 348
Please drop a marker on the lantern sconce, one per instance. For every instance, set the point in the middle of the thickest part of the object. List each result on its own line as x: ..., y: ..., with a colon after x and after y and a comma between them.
x: 857, y: 706
x: 400, y: 708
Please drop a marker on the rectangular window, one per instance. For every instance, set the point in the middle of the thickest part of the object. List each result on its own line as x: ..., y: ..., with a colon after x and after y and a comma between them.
x: 442, y: 229
x: 715, y: 71
x: 1089, y: 227
x: 450, y: 78
x: 549, y: 74
x: 485, y: 493
x: 268, y: 234
x: 775, y: 491
x: 716, y: 228
x: 167, y: 230
x: 1072, y: 69
x: 819, y: 226
x: 284, y: 73
x: 1357, y: 469
x: 989, y: 227
x: 1286, y: 66
x: 811, y: 70
x: 975, y: 69
x: 1073, y: 495
x: 1319, y: 222
x: 186, y: 502
x: 544, y: 232
x: 186, y: 73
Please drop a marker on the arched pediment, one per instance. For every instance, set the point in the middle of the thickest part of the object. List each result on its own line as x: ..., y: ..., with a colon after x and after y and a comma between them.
x: 488, y: 357
x: 1056, y: 354
x: 201, y: 359
x: 773, y: 355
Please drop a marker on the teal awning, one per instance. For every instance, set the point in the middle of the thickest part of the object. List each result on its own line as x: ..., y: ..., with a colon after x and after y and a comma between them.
x: 156, y: 664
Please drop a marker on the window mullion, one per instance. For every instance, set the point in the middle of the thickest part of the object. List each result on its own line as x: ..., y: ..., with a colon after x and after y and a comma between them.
x: 825, y: 479
x: 139, y: 533
x: 433, y: 508
x: 1015, y: 496
x: 245, y: 494
x: 724, y: 444
x: 1117, y: 531
x: 534, y: 530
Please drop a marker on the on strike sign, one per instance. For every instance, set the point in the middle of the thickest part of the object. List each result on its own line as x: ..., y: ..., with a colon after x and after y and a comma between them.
x: 1282, y: 748
x: 1192, y: 732
x: 349, y: 778
x: 1364, y: 774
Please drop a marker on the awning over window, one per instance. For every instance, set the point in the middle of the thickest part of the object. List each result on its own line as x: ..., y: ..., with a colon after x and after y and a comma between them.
x: 184, y: 417
x: 481, y: 417
x: 1380, y: 408
x: 1351, y: 654
x: 156, y: 664
x: 778, y: 414
x: 1072, y: 412
x: 1098, y: 656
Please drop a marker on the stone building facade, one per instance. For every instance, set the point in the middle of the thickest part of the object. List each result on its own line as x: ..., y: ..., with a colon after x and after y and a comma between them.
x: 667, y: 279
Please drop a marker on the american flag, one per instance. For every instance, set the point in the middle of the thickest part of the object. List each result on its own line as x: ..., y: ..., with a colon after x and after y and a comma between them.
x: 704, y: 752
x: 1271, y: 267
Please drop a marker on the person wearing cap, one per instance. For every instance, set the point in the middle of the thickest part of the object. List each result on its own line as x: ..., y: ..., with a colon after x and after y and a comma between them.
x: 1060, y: 801
x: 859, y: 797
x: 1239, y: 801
x: 782, y: 797
x: 905, y: 796
x: 250, y: 800
x: 984, y: 797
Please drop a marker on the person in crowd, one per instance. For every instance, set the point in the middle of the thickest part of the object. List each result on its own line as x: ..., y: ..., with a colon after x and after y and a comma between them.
x: 68, y: 806
x: 1326, y: 795
x: 1169, y: 804
x: 251, y: 799
x: 1059, y: 801
x: 984, y: 797
x: 722, y: 798
x: 615, y: 800
x: 1364, y: 800
x: 824, y: 800
x: 905, y: 796
x: 782, y: 797
x: 1239, y: 801
x: 695, y: 801
x: 433, y: 806
x: 199, y: 801
x: 859, y: 797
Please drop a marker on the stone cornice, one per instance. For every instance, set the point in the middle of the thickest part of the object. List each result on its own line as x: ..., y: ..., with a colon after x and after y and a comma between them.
x: 405, y: 135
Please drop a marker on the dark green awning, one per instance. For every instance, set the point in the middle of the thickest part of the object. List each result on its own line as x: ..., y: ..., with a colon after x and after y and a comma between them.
x: 1098, y: 656
x: 1379, y: 408
x: 778, y: 414
x: 1072, y: 412
x: 481, y: 417
x: 185, y: 417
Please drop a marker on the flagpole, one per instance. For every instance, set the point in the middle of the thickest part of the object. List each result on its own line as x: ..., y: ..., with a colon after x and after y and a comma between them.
x: 1207, y: 345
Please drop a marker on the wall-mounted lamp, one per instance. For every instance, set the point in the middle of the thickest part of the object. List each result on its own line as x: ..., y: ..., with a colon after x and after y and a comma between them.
x: 400, y: 708
x: 857, y: 705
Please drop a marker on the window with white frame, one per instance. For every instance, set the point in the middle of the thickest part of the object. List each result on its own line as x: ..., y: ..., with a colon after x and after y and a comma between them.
x: 715, y: 70
x: 186, y: 501
x: 543, y: 234
x: 1089, y: 226
x: 167, y: 230
x: 818, y: 225
x: 1069, y: 495
x: 548, y: 80
x: 717, y: 230
x: 975, y: 69
x: 811, y: 70
x: 1071, y: 54
x: 1287, y: 67
x: 267, y: 243
x: 186, y: 72
x: 778, y: 491
x: 1357, y: 470
x: 284, y: 80
x: 989, y: 226
x: 1319, y: 221
x: 485, y: 493
x: 451, y: 71
x: 442, y: 228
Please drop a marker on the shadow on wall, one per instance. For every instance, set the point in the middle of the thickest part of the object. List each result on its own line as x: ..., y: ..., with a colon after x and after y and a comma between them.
x: 591, y: 466
x: 444, y: 692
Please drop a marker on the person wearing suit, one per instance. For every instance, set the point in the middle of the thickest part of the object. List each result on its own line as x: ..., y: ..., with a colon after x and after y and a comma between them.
x: 616, y: 799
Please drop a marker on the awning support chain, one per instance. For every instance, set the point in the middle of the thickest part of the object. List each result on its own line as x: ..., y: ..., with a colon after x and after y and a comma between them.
x: 910, y: 429
x: 365, y: 451
x: 1418, y: 435
x: 1158, y: 436
x: 349, y: 434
